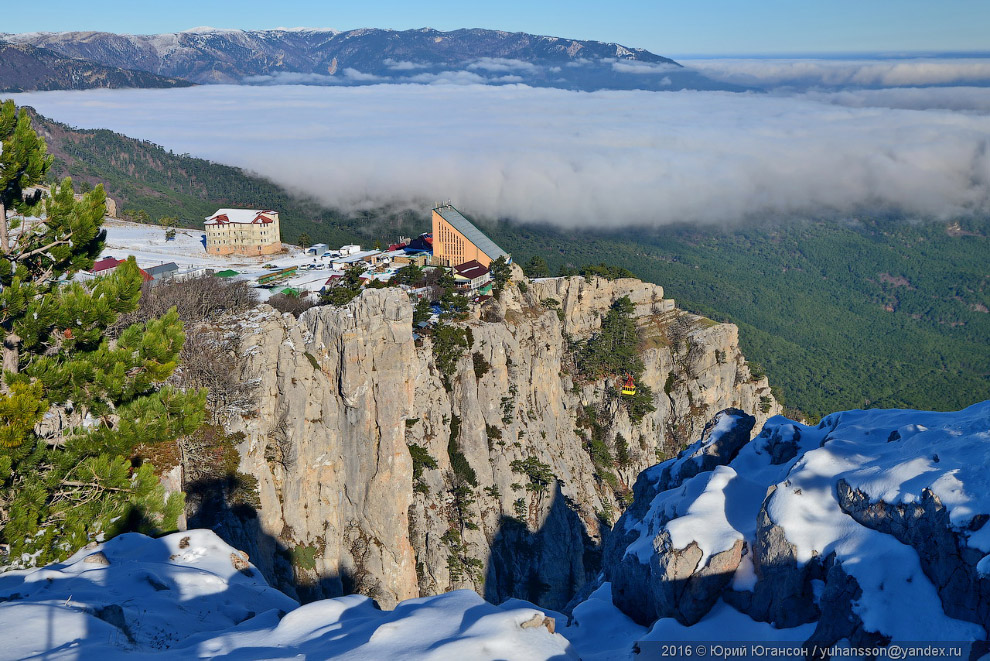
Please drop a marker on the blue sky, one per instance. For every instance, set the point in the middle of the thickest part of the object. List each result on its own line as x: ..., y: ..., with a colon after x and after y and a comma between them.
x: 669, y: 28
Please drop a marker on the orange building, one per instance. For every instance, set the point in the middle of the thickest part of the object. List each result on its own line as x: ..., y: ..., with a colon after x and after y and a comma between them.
x: 456, y: 240
x: 243, y: 232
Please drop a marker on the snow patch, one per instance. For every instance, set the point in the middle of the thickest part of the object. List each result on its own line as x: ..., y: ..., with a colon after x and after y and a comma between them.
x: 180, y: 597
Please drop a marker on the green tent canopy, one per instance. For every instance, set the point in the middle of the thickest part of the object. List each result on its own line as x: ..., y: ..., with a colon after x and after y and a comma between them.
x: 288, y: 291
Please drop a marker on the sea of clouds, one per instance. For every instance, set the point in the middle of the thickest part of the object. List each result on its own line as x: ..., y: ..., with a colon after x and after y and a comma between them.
x: 807, y: 73
x: 576, y: 158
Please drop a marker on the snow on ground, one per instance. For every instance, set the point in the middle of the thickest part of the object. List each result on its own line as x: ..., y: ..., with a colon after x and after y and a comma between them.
x: 149, y: 247
x: 725, y: 623
x: 181, y: 597
x: 855, y: 447
x: 891, y: 455
x: 601, y: 632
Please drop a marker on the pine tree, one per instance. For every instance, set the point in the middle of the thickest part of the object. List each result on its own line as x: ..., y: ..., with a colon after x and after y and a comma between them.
x: 537, y: 267
x: 500, y: 275
x: 74, y: 402
x: 24, y: 161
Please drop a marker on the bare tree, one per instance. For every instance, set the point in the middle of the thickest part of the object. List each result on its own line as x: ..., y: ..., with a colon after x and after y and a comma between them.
x: 294, y: 304
x: 211, y: 359
x: 199, y: 299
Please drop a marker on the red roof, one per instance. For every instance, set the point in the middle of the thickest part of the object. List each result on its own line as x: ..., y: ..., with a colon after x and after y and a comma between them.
x: 105, y: 263
x: 108, y: 263
x: 241, y: 216
x: 470, y: 270
x: 397, y: 246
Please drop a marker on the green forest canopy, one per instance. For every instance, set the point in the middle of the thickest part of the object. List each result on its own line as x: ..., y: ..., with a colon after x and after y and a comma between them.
x: 871, y: 312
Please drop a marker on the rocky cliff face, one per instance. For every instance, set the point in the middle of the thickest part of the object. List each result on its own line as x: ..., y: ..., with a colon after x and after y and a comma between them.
x: 870, y: 527
x: 375, y: 477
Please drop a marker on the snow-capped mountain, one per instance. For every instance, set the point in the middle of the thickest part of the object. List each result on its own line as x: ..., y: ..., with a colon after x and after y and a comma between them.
x: 367, y: 56
x: 25, y: 68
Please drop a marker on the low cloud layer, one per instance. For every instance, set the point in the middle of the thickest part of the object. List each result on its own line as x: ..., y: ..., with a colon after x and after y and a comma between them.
x: 643, y: 68
x: 812, y: 73
x: 571, y: 158
x: 960, y: 99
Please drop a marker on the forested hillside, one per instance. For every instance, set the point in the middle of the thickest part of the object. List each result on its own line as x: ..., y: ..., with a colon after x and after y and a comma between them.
x: 142, y: 176
x: 875, y: 312
x: 25, y: 68
x: 841, y: 315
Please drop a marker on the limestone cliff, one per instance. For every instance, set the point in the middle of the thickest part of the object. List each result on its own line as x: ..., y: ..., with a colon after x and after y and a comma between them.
x: 374, y: 477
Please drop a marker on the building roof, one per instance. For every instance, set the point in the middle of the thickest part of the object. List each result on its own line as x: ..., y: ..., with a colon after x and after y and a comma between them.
x: 105, y: 263
x: 472, y: 233
x: 242, y: 216
x: 227, y: 273
x: 288, y: 291
x: 356, y: 257
x: 162, y: 269
x: 109, y: 263
x: 470, y: 270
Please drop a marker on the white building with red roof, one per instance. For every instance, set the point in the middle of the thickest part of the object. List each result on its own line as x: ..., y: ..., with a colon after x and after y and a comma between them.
x: 243, y: 232
x: 471, y: 275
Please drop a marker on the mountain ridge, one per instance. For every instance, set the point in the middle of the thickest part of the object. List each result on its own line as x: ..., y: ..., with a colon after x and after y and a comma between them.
x: 374, y: 55
x: 28, y: 68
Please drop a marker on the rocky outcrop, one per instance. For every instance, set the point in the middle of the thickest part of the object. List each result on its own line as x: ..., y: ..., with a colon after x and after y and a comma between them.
x: 674, y: 582
x: 945, y: 557
x: 861, y: 531
x: 720, y: 442
x: 783, y: 592
x: 839, y: 619
x: 375, y: 477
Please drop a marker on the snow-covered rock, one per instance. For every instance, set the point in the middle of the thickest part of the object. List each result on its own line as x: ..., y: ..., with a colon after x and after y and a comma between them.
x: 190, y: 595
x: 867, y: 528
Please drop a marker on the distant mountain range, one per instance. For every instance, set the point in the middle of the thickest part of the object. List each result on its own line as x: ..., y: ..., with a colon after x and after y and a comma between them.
x: 26, y: 68
x: 369, y: 56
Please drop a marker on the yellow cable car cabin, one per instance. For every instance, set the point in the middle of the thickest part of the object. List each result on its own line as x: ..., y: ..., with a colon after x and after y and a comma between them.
x: 629, y: 387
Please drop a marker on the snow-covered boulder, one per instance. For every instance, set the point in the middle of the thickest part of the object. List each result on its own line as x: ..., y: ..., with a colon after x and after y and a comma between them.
x: 190, y: 595
x: 659, y: 568
x: 868, y: 528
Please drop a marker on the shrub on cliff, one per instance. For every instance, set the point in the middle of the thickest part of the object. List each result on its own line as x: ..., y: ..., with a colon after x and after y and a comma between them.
x: 613, y: 349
